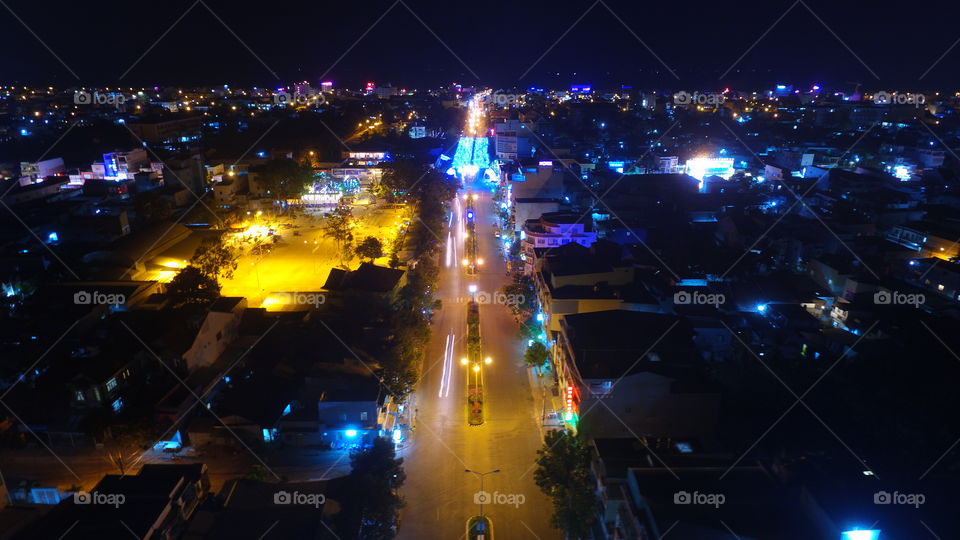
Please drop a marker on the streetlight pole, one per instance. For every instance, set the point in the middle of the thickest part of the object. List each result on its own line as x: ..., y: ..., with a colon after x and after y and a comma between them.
x: 481, y: 475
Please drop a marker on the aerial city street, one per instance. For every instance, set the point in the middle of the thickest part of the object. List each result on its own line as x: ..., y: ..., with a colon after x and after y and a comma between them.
x: 418, y: 270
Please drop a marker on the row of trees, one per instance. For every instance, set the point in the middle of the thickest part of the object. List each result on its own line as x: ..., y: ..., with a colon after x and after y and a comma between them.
x: 370, y: 503
x: 428, y: 191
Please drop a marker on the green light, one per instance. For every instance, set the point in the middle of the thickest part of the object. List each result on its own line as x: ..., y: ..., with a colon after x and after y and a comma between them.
x: 568, y: 416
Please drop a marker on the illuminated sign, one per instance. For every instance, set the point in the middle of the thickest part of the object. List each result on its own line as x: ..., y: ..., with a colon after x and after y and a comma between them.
x: 701, y: 168
x: 860, y: 534
x: 546, y: 164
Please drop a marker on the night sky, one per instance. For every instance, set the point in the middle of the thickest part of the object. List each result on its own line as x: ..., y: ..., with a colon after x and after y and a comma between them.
x: 496, y: 41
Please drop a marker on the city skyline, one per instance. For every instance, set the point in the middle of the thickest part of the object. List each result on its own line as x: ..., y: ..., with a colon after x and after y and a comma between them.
x: 418, y: 270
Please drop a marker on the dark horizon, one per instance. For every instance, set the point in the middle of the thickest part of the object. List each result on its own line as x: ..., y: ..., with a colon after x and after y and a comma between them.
x: 494, y: 44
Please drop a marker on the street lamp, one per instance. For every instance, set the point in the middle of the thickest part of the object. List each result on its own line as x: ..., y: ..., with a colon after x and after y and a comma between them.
x: 482, y: 493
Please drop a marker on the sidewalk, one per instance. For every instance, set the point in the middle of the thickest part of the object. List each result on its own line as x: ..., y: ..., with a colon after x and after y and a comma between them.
x: 547, y: 407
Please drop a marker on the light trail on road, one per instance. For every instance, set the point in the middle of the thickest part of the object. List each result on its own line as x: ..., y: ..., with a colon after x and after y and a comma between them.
x: 449, y: 248
x: 447, y: 365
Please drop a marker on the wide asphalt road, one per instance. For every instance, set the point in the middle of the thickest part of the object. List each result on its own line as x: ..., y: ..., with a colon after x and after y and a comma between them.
x: 439, y: 495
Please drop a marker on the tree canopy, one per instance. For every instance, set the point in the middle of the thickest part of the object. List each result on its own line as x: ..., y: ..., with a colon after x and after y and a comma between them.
x: 285, y: 178
x: 370, y: 504
x: 369, y: 248
x: 563, y: 473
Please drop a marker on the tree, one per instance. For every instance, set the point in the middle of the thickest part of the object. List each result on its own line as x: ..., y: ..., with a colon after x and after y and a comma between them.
x: 536, y: 355
x: 398, y: 177
x: 409, y: 336
x: 192, y: 286
x: 340, y: 228
x: 285, y: 178
x: 370, y: 504
x: 370, y: 248
x: 258, y: 473
x: 521, y: 289
x: 563, y: 473
x: 152, y: 208
x: 215, y: 259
